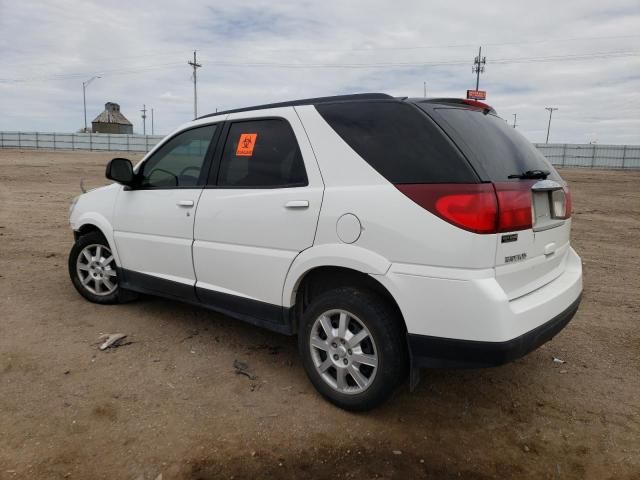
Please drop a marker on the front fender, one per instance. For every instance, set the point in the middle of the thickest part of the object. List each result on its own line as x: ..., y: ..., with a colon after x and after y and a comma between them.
x: 99, y: 221
x: 331, y: 255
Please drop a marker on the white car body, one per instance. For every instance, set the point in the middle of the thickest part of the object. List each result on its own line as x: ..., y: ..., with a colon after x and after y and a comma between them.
x: 257, y: 245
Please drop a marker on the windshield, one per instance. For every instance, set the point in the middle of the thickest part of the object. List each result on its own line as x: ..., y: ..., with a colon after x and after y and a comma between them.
x: 499, y: 149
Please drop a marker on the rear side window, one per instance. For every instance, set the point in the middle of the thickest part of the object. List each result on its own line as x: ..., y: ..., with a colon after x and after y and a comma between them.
x: 399, y: 141
x: 500, y: 150
x: 261, y: 154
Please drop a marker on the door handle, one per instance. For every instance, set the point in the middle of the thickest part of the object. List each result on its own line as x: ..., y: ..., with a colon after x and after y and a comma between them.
x: 184, y: 203
x: 549, y: 249
x: 297, y: 204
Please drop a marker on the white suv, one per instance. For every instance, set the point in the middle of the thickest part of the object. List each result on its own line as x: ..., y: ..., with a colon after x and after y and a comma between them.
x: 389, y: 234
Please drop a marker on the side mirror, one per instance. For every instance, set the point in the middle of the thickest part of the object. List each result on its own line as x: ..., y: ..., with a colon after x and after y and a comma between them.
x: 120, y: 170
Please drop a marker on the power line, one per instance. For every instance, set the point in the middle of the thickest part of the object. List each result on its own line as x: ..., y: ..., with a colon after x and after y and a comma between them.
x: 503, y: 61
x: 500, y: 61
x: 120, y: 71
x: 426, y: 47
x: 157, y: 53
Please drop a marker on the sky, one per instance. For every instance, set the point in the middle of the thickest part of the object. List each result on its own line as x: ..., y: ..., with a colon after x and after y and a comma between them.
x: 581, y: 56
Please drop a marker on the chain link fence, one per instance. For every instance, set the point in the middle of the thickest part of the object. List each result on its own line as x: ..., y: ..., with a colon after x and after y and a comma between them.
x: 559, y: 154
x: 591, y: 155
x: 110, y: 142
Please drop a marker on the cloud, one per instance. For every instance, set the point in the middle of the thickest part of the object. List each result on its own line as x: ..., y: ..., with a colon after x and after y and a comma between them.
x: 170, y: 97
x: 264, y: 51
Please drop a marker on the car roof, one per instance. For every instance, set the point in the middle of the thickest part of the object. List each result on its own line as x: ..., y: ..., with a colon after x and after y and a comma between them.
x: 307, y: 101
x: 355, y: 98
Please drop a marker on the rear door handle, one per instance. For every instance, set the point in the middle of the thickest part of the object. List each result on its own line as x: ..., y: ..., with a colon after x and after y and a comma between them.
x: 185, y: 203
x: 297, y: 204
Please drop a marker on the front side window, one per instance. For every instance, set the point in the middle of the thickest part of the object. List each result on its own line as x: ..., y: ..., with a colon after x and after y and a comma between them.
x: 178, y: 162
x: 261, y: 154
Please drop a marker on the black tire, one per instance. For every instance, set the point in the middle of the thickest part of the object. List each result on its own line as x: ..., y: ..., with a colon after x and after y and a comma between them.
x: 385, y: 327
x: 104, y: 297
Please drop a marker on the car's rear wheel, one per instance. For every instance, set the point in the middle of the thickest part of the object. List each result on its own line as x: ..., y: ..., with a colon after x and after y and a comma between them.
x: 353, y: 347
x: 93, y: 270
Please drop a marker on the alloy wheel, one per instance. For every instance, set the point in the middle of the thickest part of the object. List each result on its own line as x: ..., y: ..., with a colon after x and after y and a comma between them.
x: 343, y: 351
x: 96, y: 270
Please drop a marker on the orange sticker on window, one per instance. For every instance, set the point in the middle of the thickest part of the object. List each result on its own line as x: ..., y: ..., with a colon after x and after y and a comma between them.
x: 246, y: 144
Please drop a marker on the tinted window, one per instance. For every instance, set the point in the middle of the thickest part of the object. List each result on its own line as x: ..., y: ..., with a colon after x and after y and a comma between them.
x: 399, y: 141
x: 261, y: 153
x: 179, y: 161
x: 499, y: 149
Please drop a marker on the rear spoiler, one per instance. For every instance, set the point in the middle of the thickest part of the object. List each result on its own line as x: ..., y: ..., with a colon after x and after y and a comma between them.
x: 460, y: 102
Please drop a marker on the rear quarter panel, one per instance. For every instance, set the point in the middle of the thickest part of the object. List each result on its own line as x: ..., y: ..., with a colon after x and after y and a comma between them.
x: 393, y: 226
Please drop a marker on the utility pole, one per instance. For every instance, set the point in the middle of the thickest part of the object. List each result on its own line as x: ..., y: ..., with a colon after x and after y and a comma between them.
x: 152, y: 131
x: 551, y: 109
x: 425, y: 89
x: 515, y: 116
x: 195, y: 66
x: 84, y: 97
x: 144, y: 119
x: 478, y: 66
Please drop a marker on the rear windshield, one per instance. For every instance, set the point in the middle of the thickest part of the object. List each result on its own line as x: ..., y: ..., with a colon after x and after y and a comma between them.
x: 399, y: 141
x: 499, y: 148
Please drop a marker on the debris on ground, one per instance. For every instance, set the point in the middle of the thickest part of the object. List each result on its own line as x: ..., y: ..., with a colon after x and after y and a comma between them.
x: 243, y: 369
x: 192, y: 332
x: 271, y: 349
x: 558, y: 360
x: 113, y: 340
x: 271, y: 415
x: 397, y: 452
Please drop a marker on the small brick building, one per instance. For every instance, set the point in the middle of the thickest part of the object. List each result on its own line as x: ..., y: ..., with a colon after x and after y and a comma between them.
x: 111, y: 121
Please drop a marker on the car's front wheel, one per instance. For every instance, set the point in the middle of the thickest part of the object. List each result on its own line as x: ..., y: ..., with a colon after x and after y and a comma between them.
x: 93, y: 271
x: 353, y: 347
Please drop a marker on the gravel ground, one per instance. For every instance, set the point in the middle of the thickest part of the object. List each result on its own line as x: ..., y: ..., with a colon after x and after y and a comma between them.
x: 170, y: 402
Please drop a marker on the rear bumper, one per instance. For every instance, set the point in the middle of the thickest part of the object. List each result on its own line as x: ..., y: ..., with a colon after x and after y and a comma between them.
x: 437, y: 352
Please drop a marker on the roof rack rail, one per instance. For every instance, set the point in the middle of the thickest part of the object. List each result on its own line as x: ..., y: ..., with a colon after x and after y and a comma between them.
x: 308, y: 101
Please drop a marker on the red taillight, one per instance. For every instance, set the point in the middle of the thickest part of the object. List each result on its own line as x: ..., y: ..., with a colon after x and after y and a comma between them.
x: 568, y: 203
x: 514, y: 206
x: 469, y: 206
x: 479, y: 208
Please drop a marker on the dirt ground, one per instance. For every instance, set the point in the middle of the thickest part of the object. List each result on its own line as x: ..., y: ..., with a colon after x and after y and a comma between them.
x: 170, y: 403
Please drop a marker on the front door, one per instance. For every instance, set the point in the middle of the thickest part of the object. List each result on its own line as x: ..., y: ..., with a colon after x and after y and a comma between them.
x: 259, y: 211
x: 153, y: 222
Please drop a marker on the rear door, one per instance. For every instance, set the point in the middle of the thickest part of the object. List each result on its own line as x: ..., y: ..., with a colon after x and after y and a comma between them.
x: 525, y: 259
x: 258, y: 212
